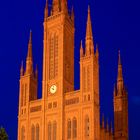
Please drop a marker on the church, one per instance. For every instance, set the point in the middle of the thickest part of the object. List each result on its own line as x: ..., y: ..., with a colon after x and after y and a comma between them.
x: 63, y: 113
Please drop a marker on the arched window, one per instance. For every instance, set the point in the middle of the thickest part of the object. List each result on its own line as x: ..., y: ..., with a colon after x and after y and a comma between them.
x: 53, y: 56
x: 87, y: 126
x: 49, y: 130
x: 23, y: 133
x: 69, y: 129
x: 33, y: 132
x: 25, y: 94
x: 54, y: 130
x: 56, y: 54
x: 74, y: 128
x: 37, y: 132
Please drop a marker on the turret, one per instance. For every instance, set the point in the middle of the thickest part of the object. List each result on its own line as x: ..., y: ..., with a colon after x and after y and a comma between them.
x: 120, y: 106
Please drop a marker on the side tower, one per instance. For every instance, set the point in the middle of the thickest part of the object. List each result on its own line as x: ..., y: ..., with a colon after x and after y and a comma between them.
x: 58, y: 67
x: 28, y: 92
x: 89, y: 86
x: 120, y: 107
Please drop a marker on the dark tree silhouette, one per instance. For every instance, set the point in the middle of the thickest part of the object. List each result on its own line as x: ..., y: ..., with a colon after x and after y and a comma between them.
x: 3, y: 134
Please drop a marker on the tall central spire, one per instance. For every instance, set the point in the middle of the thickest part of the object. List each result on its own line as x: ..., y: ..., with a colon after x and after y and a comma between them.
x: 120, y: 75
x: 89, y: 37
x: 120, y: 82
x: 89, y: 27
x: 29, y: 59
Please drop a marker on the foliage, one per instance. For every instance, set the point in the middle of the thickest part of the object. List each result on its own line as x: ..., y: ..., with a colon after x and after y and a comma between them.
x: 3, y: 134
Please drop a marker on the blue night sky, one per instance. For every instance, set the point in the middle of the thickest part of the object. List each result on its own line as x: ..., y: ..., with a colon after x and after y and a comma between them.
x: 116, y: 25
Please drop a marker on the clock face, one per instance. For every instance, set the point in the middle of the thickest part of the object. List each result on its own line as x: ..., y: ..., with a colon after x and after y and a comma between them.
x: 53, y: 89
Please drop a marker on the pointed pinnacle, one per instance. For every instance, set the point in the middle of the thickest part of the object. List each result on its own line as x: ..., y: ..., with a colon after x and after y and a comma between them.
x: 29, y: 61
x: 97, y: 50
x: 120, y: 75
x: 29, y: 55
x: 89, y: 27
x: 21, y: 69
x: 81, y: 50
x: 119, y: 59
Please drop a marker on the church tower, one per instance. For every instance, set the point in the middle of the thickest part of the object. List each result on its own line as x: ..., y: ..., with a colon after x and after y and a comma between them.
x: 120, y: 106
x: 28, y: 92
x: 58, y: 64
x: 63, y: 113
x: 89, y: 82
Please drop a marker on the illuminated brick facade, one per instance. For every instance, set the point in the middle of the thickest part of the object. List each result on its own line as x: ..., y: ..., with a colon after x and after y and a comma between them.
x: 62, y: 113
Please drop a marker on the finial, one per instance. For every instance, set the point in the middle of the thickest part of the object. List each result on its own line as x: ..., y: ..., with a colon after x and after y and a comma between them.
x: 120, y: 75
x: 30, y: 38
x: 88, y: 9
x: 81, y: 50
x: 21, y: 69
x: 119, y: 59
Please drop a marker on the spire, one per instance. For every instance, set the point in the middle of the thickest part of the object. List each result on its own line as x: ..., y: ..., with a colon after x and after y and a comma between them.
x: 29, y: 60
x: 81, y: 50
x: 120, y: 83
x: 120, y: 76
x: 56, y: 6
x: 89, y: 37
x: 89, y: 27
x: 29, y: 56
x: 46, y: 11
x: 21, y: 69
